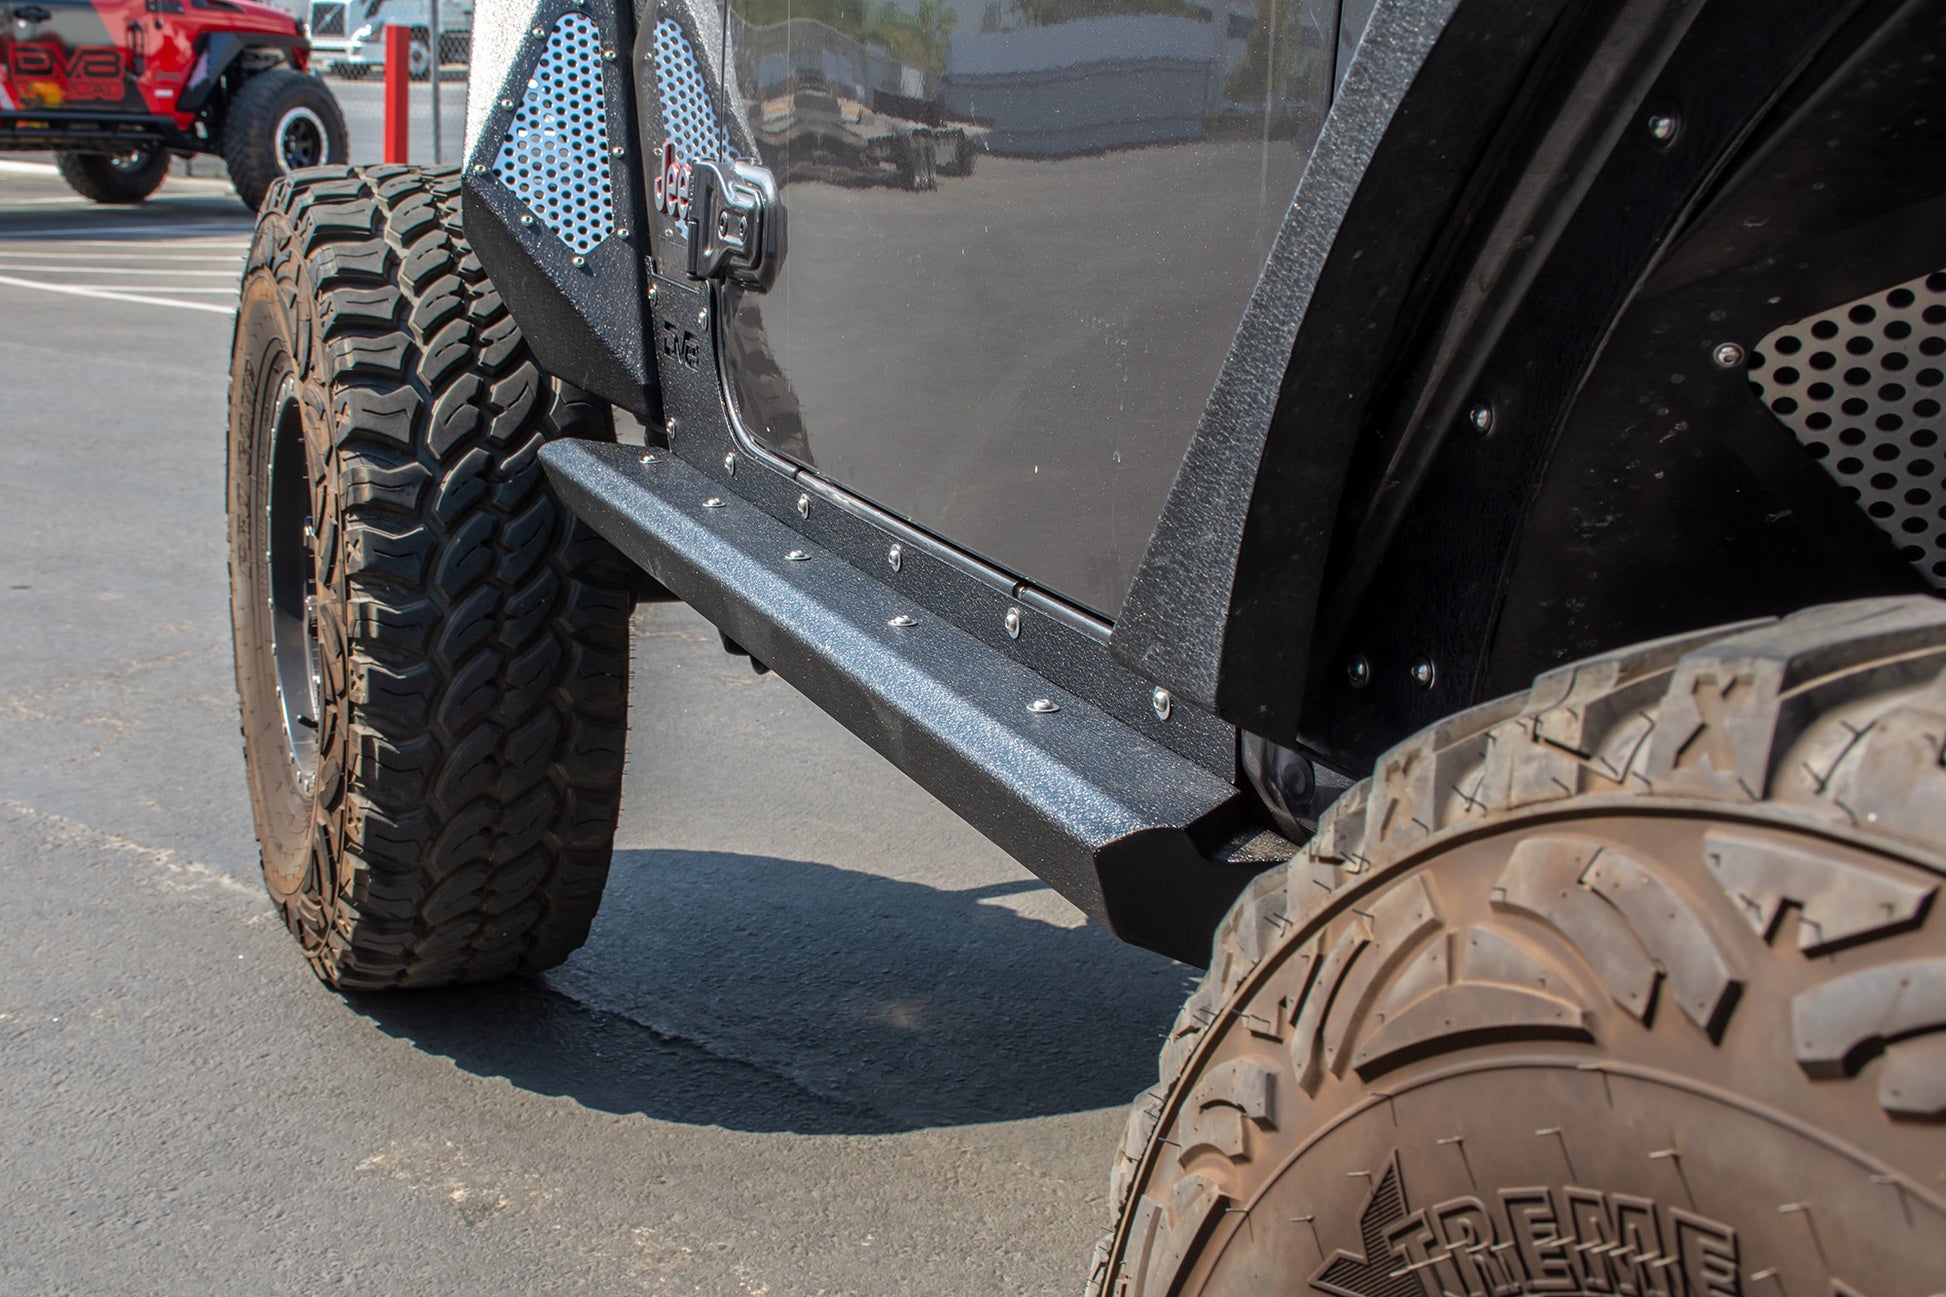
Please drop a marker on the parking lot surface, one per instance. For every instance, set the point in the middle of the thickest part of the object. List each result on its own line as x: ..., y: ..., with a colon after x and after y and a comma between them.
x: 825, y: 1039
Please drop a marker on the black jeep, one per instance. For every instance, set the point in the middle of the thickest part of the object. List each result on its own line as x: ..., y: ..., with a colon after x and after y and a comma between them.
x: 1431, y: 508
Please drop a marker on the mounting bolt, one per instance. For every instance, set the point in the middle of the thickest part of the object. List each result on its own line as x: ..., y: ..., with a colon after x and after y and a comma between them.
x: 651, y: 290
x: 902, y: 621
x: 797, y: 556
x: 506, y: 103
x: 702, y: 316
x: 1481, y: 417
x: 622, y: 233
x: 1358, y: 671
x: 670, y: 428
x: 648, y: 459
x: 1012, y: 622
x: 540, y: 31
x: 1728, y: 355
x: 617, y: 150
x: 1422, y: 672
x: 479, y: 168
x: 526, y: 218
x: 730, y: 463
x: 896, y: 557
x: 1162, y: 703
x: 578, y: 260
x: 714, y: 502
x: 608, y: 55
x: 1043, y: 706
x: 1663, y: 127
x: 803, y: 506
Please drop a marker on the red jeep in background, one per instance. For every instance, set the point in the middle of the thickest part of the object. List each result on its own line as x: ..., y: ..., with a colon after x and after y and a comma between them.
x: 115, y: 87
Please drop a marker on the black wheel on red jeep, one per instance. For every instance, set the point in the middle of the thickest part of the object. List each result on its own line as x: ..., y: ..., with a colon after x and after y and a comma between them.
x: 114, y: 177
x: 1627, y: 985
x: 281, y: 121
x: 432, y: 654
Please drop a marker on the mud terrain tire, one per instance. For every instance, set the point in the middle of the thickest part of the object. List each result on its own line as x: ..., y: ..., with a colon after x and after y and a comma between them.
x: 108, y: 178
x: 432, y: 653
x: 1631, y: 984
x: 281, y: 121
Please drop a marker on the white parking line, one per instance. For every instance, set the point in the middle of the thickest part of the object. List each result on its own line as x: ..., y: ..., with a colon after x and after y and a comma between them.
x: 71, y: 235
x: 75, y: 290
x: 52, y: 254
x: 110, y: 270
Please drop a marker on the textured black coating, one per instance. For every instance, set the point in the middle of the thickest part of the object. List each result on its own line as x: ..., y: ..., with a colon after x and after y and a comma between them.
x: 1115, y: 823
x: 584, y: 323
x: 1222, y: 604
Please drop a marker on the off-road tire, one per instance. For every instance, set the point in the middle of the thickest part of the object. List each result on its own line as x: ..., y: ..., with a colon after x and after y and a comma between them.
x: 1630, y: 984
x: 470, y: 653
x: 100, y: 178
x: 253, y: 148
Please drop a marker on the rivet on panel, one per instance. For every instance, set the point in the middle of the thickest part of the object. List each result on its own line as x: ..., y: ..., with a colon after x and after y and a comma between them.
x: 797, y: 556
x: 1422, y: 672
x: 648, y: 459
x: 526, y: 218
x: 702, y: 316
x: 1663, y: 127
x: 896, y: 557
x: 1481, y: 417
x: 578, y: 260
x: 1162, y: 703
x: 902, y: 621
x: 714, y: 502
x: 730, y: 463
x: 1012, y: 622
x: 1043, y: 706
x: 803, y: 506
x: 1358, y: 671
x: 1727, y: 355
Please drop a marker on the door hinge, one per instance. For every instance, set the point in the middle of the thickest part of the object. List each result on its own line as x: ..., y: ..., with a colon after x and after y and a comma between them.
x: 736, y: 224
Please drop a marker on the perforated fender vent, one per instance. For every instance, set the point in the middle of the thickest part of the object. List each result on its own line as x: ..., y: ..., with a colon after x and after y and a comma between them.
x: 688, y: 117
x: 555, y: 154
x: 1861, y: 386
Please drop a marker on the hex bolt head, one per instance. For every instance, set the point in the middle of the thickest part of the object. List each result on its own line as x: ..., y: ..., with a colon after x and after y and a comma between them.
x: 1043, y: 706
x: 730, y: 463
x: 1728, y: 355
x: 1162, y: 703
x: 895, y: 557
x: 1358, y: 671
x: 1663, y: 127
x: 1012, y: 622
x: 1422, y: 672
x: 803, y: 506
x: 1481, y: 417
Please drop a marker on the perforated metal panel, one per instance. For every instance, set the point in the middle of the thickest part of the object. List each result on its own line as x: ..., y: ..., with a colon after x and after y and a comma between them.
x: 688, y: 117
x: 555, y: 154
x: 1861, y: 386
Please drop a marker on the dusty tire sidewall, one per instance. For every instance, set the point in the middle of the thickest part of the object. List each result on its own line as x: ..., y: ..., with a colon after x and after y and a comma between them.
x: 1464, y: 1130
x: 263, y: 359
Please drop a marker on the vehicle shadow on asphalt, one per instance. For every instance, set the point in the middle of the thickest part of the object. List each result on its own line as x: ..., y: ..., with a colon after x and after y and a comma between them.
x: 771, y: 995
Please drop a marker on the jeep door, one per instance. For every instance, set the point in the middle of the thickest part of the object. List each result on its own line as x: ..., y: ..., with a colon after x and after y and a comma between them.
x: 74, y: 55
x: 1021, y: 234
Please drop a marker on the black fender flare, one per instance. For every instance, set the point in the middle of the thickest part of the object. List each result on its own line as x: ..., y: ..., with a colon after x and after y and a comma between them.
x: 1449, y: 210
x: 217, y: 53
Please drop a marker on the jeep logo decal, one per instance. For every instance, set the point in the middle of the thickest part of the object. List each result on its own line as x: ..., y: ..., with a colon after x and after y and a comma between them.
x: 1563, y: 1242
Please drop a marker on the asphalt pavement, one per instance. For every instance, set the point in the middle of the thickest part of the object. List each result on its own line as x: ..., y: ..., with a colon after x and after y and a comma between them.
x: 825, y: 1039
